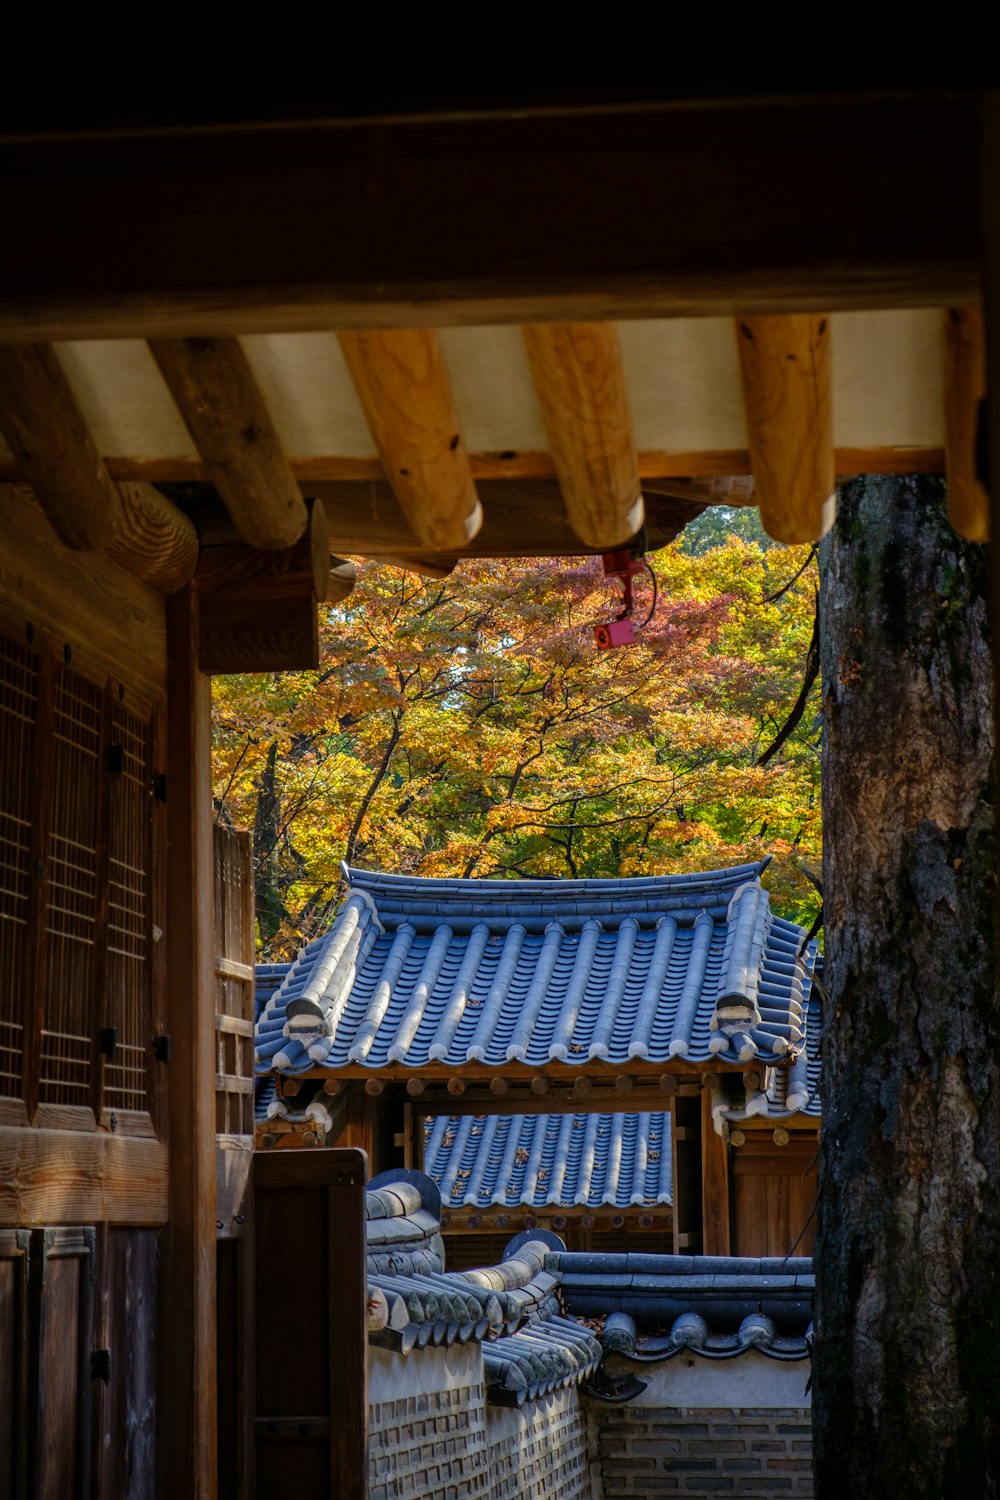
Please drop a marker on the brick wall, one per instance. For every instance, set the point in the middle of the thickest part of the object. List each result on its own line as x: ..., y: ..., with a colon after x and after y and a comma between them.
x: 756, y: 1453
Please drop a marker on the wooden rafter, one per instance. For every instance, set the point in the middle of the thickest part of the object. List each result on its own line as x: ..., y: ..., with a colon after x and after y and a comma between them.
x: 54, y: 450
x: 214, y: 387
x: 156, y: 541
x: 964, y: 387
x: 580, y: 381
x: 402, y: 382
x: 786, y: 370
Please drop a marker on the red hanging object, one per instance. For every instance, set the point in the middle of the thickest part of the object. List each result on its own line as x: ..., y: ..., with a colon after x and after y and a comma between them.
x: 620, y: 631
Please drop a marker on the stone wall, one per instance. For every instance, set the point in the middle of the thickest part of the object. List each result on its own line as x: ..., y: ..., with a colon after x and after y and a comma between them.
x: 433, y: 1437
x: 700, y: 1429
x: 427, y: 1424
x: 703, y: 1429
x: 539, y: 1449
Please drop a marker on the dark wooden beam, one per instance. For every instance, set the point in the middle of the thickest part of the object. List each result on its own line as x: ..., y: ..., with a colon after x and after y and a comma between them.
x: 964, y: 388
x: 659, y: 469
x: 645, y: 209
x: 258, y: 610
x: 224, y: 411
x: 715, y: 1211
x: 519, y: 516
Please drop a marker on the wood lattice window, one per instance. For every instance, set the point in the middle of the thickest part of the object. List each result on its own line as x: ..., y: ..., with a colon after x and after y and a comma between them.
x: 234, y: 981
x: 18, y: 699
x: 74, y: 826
x: 130, y: 875
x: 77, y: 890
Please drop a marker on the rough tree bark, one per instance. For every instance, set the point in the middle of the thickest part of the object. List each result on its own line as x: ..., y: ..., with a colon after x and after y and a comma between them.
x: 907, y: 1374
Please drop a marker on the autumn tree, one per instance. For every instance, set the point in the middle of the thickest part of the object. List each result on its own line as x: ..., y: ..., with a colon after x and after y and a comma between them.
x: 470, y: 727
x: 906, y: 1377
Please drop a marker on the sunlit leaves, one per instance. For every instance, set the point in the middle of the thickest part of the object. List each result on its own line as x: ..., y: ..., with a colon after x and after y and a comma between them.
x: 471, y: 727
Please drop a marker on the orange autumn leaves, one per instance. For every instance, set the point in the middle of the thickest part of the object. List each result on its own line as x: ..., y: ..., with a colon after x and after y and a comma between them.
x: 470, y: 727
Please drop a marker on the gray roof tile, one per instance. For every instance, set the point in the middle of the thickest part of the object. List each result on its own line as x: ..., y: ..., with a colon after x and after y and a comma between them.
x: 452, y: 971
x: 548, y: 1161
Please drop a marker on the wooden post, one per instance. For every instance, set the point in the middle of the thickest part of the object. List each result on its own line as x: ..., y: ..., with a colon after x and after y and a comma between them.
x: 964, y: 386
x: 715, y: 1217
x: 188, y: 1397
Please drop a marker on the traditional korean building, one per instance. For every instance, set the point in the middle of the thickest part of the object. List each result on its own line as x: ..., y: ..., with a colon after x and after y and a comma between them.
x: 623, y: 1061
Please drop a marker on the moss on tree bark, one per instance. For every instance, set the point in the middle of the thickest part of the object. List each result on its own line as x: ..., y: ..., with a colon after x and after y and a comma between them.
x: 907, y: 1367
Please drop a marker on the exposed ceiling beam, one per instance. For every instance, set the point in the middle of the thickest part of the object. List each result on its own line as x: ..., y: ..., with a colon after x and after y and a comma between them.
x: 787, y: 376
x: 365, y: 518
x: 402, y: 382
x: 157, y: 541
x: 257, y: 610
x: 224, y: 411
x: 642, y: 210
x: 964, y: 387
x: 54, y: 450
x: 580, y: 380
x: 656, y: 466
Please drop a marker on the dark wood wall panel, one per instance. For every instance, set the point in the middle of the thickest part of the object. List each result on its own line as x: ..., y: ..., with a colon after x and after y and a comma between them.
x: 125, y: 1404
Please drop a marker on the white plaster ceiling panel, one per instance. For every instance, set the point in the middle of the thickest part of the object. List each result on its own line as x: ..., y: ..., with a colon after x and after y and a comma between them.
x: 683, y: 382
x: 124, y: 399
x: 494, y: 392
x: 888, y: 378
x: 309, y: 394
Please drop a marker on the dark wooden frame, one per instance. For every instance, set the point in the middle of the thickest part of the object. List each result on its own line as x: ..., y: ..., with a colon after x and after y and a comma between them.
x: 647, y: 209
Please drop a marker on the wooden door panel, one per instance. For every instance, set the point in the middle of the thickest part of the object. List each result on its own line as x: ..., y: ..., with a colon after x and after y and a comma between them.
x: 14, y: 1266
x: 63, y: 1275
x: 311, y: 1387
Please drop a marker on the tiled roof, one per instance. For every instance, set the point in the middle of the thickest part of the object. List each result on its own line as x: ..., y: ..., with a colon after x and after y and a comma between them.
x: 464, y: 971
x: 782, y: 1092
x: 654, y: 1306
x: 551, y: 1160
x: 529, y: 1348
x: 658, y: 1306
x: 267, y: 980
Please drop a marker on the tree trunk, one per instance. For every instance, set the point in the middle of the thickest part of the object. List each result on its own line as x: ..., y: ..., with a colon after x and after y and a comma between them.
x: 907, y: 1366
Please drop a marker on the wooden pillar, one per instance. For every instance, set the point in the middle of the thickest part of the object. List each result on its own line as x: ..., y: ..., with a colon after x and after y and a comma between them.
x: 715, y: 1216
x: 188, y: 1395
